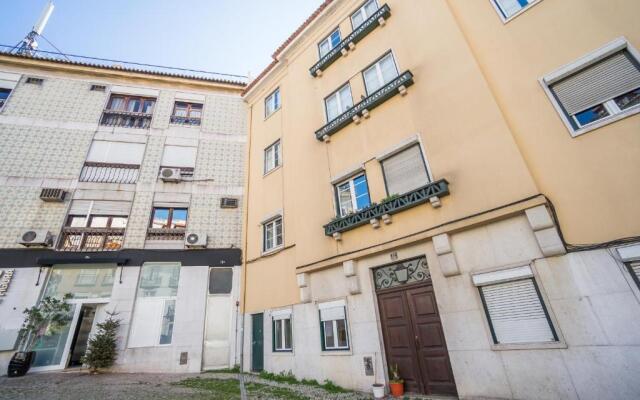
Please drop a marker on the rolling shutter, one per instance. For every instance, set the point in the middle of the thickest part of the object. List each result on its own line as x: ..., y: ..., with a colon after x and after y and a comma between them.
x: 281, y: 314
x: 405, y: 171
x: 634, y: 268
x: 103, y: 151
x: 179, y: 156
x: 516, y: 313
x: 332, y: 311
x: 609, y: 78
x: 84, y: 207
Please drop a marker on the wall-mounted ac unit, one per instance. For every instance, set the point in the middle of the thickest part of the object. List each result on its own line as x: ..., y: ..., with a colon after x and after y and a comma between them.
x: 36, y: 237
x: 195, y: 239
x: 228, y: 202
x: 170, y: 174
x: 52, y: 195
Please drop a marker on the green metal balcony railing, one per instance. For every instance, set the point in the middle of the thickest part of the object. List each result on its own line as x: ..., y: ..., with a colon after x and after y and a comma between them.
x: 372, y: 101
x: 354, y: 37
x: 394, y: 205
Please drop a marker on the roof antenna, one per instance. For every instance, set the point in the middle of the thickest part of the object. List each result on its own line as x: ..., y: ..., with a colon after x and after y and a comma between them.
x: 28, y: 45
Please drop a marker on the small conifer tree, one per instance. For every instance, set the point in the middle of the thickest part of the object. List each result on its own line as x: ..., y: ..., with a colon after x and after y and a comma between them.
x: 101, y: 351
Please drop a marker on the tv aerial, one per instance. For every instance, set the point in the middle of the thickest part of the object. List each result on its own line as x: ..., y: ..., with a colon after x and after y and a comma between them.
x: 29, y: 45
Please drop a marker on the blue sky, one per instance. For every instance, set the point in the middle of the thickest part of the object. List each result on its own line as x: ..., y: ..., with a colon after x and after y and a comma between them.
x: 231, y: 36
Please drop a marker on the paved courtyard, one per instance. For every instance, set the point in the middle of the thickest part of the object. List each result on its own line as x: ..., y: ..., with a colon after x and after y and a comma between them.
x: 79, y: 385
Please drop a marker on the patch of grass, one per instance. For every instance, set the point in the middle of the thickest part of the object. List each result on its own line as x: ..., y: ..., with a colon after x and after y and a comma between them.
x: 282, y: 377
x: 229, y: 389
x: 332, y: 387
x: 288, y: 377
x: 234, y: 370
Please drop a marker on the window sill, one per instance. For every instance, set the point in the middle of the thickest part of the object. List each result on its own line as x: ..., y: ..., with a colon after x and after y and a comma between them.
x: 272, y: 251
x: 516, y: 15
x: 282, y: 352
x: 273, y: 113
x: 336, y: 352
x: 272, y: 170
x: 529, y: 346
x: 605, y: 121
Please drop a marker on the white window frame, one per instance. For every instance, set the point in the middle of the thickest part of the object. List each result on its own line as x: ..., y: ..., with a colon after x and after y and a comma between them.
x: 510, y: 273
x: 362, y: 11
x: 376, y: 65
x: 271, y: 98
x: 334, y: 326
x: 594, y: 57
x: 341, y: 107
x: 275, y: 317
x: 275, y: 149
x: 272, y: 223
x: 352, y: 191
x: 327, y: 39
x: 11, y: 90
x: 506, y: 19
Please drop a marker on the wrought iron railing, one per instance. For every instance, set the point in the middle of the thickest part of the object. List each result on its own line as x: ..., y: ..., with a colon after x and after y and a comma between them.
x: 109, y: 173
x: 91, y: 239
x: 126, y: 119
x: 185, y: 120
x: 394, y: 205
x: 165, y: 234
x: 356, y: 112
x: 357, y: 35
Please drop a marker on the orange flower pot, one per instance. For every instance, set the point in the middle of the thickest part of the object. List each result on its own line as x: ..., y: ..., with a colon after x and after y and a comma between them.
x: 397, y: 389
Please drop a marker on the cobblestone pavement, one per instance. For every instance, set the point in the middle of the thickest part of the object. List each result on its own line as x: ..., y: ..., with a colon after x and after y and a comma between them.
x: 77, y: 385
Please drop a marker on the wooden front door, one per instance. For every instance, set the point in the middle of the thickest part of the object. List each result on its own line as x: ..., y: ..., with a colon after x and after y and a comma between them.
x: 414, y: 339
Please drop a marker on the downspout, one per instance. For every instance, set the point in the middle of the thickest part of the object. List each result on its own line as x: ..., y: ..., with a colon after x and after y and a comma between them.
x: 243, y: 393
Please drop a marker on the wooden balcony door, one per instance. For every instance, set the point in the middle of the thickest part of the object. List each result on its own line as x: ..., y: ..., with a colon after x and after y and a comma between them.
x: 414, y: 339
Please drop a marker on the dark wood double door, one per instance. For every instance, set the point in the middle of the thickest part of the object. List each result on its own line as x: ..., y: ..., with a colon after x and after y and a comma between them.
x: 414, y: 339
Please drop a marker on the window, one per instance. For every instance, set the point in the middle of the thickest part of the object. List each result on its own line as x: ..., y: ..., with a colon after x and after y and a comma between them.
x: 367, y: 10
x: 128, y: 112
x: 509, y: 8
x: 338, y: 102
x: 220, y: 280
x: 95, y: 225
x: 634, y: 270
x: 98, y: 88
x: 329, y: 43
x: 272, y: 234
x: 81, y: 282
x: 186, y: 113
x: 352, y: 195
x: 169, y: 218
x: 109, y: 152
x: 4, y: 95
x: 272, y: 157
x: 380, y: 73
x: 333, y: 325
x: 131, y: 104
x: 155, y: 306
x: 272, y: 103
x: 405, y: 171
x: 598, y: 88
x: 34, y: 81
x: 87, y: 277
x: 282, y: 331
x: 514, y: 307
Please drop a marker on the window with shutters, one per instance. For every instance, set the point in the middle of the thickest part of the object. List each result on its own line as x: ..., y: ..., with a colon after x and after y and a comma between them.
x: 95, y: 225
x: 333, y: 325
x: 352, y: 195
x: 186, y: 113
x: 511, y: 8
x: 380, y: 73
x: 338, y: 102
x: 167, y: 223
x: 128, y: 111
x: 514, y: 307
x: 282, y: 331
x: 272, y: 157
x: 405, y: 171
x: 634, y: 270
x: 112, y: 162
x: 598, y: 90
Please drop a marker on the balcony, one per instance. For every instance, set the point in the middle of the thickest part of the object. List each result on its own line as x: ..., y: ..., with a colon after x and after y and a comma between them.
x: 188, y: 121
x: 361, y: 110
x: 91, y: 239
x: 165, y: 234
x: 430, y: 192
x: 126, y: 119
x: 109, y: 173
x: 350, y: 41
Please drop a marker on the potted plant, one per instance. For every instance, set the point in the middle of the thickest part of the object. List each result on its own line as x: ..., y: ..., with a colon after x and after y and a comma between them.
x: 49, y: 316
x: 396, y: 383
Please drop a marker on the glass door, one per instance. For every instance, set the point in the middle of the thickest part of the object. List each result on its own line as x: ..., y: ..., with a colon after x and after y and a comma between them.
x: 52, y: 348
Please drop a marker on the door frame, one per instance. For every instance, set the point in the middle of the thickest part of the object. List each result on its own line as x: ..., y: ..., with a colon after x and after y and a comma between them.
x: 261, y: 314
x: 402, y: 288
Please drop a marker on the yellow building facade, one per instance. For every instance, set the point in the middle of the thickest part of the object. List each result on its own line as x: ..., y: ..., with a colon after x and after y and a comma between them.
x: 446, y: 186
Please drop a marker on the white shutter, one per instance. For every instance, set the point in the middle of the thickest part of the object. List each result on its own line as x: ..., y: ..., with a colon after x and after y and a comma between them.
x: 84, y: 207
x: 104, y: 151
x: 179, y: 156
x: 516, y: 313
x: 598, y: 83
x: 405, y: 171
x: 281, y: 314
x: 147, y: 322
x: 332, y: 310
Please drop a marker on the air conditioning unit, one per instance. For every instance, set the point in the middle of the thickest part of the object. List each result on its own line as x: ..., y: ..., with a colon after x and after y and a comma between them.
x: 52, y: 195
x: 36, y: 238
x: 195, y: 239
x: 170, y: 174
x: 228, y: 202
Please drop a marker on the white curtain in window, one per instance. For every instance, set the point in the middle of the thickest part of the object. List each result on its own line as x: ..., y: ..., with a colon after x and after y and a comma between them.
x: 104, y: 151
x: 405, y: 171
x: 179, y: 156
